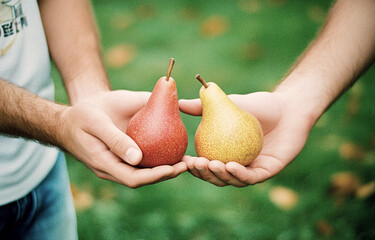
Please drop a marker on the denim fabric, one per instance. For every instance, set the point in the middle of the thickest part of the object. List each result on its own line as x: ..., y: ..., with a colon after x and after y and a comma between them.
x: 46, y: 213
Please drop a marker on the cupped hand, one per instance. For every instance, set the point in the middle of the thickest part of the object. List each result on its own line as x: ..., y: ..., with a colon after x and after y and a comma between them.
x: 93, y: 130
x: 285, y: 129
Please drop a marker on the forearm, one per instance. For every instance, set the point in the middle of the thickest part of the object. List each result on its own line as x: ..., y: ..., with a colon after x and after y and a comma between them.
x: 342, y: 51
x: 74, y: 46
x: 27, y: 115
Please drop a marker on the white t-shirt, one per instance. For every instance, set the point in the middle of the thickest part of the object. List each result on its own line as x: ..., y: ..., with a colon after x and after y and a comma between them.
x: 24, y: 61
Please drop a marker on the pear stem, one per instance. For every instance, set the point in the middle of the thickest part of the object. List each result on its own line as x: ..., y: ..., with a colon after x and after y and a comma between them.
x: 200, y: 79
x: 170, y: 67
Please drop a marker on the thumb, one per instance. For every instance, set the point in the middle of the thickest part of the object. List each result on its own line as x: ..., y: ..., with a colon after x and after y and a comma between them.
x: 192, y: 106
x: 118, y: 142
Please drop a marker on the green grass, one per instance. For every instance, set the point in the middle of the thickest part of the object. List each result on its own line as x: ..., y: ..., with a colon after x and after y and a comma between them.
x: 252, y: 55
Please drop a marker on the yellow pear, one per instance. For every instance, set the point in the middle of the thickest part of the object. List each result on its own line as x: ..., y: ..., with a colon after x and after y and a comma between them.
x: 226, y: 132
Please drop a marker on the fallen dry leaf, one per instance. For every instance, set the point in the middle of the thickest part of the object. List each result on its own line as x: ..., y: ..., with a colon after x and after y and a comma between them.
x: 356, y: 89
x: 277, y: 2
x: 107, y: 192
x: 82, y: 200
x: 147, y: 11
x: 122, y: 21
x: 214, y: 26
x: 253, y: 51
x: 366, y: 190
x: 188, y: 13
x: 353, y: 105
x: 119, y: 56
x: 250, y: 6
x: 330, y: 142
x: 322, y: 121
x: 351, y: 151
x: 283, y: 197
x: 324, y: 228
x: 316, y: 14
x: 344, y: 184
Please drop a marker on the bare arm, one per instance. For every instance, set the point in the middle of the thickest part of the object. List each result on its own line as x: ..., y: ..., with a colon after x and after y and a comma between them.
x: 74, y: 45
x: 93, y: 128
x: 99, y: 117
x: 342, y: 51
x: 25, y: 114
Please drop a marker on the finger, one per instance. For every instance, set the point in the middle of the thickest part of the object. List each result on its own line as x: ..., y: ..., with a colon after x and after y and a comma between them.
x: 201, y: 164
x: 248, y: 175
x: 141, y: 177
x: 104, y: 175
x: 192, y: 107
x: 178, y: 169
x: 117, y: 141
x: 218, y: 168
x: 190, y: 165
x: 259, y: 105
x: 135, y: 101
x: 101, y: 174
x: 132, y: 177
x: 103, y: 166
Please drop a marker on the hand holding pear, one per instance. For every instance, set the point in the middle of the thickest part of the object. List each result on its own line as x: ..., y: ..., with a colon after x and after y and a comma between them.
x: 157, y: 128
x: 226, y: 132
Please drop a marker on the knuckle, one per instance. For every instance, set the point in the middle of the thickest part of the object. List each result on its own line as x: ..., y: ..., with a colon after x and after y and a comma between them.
x: 221, y: 184
x: 208, y: 178
x: 95, y: 164
x: 100, y: 175
x: 225, y: 178
x: 116, y: 143
x: 250, y: 181
x: 132, y: 184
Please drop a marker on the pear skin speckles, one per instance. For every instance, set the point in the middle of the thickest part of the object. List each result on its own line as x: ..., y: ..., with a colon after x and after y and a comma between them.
x: 158, y: 128
x: 226, y: 132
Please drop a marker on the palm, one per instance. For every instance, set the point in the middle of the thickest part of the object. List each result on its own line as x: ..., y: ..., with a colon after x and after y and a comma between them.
x: 95, y: 134
x: 120, y: 105
x: 284, y: 136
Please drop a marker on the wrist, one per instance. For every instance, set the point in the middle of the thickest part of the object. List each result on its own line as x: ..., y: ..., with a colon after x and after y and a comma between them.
x: 85, y: 86
x: 302, y: 97
x: 62, y: 120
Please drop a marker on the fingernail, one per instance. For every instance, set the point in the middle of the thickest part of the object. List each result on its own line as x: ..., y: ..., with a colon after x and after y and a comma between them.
x: 132, y: 155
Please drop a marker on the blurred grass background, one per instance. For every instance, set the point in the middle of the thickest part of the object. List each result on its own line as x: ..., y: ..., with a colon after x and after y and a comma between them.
x: 244, y: 46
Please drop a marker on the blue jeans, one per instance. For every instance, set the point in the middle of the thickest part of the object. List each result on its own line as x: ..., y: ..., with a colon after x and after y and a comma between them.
x: 46, y: 213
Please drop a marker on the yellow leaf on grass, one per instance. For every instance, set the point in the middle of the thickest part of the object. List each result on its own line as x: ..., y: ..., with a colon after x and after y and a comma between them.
x: 344, y: 184
x: 283, y: 197
x: 119, y: 56
x: 353, y: 105
x: 83, y: 200
x: 108, y: 192
x: 277, y: 2
x: 330, y: 141
x: 122, y: 21
x: 250, y: 6
x: 351, y: 151
x: 147, y: 11
x: 324, y: 228
x: 366, y: 190
x: 214, y: 26
x: 188, y: 13
x: 316, y: 14
x: 253, y: 51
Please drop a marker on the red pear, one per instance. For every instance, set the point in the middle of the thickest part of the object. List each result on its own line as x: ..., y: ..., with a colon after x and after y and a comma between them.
x: 158, y: 128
